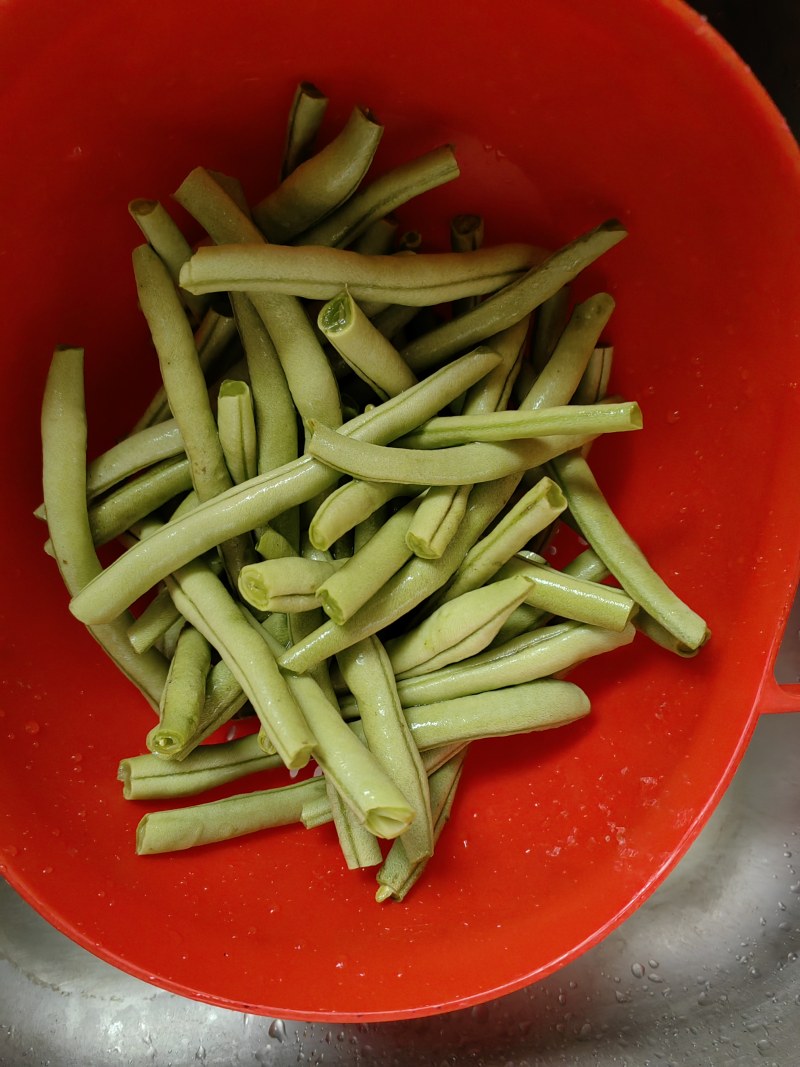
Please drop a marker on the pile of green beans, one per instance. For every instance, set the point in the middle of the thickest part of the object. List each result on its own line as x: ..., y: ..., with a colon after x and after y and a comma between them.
x: 334, y: 504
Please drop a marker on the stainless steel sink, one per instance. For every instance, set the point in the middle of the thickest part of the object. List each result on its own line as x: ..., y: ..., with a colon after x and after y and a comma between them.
x: 706, y: 972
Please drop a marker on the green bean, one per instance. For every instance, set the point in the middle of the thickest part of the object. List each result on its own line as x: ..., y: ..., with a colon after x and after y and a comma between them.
x: 393, y: 319
x: 557, y: 593
x: 273, y: 545
x: 186, y: 390
x: 564, y: 370
x: 593, y: 386
x: 215, y: 333
x: 365, y: 530
x: 383, y: 196
x: 346, y: 590
x: 131, y: 455
x: 647, y: 625
x: 237, y: 430
x: 63, y: 430
x: 412, y: 584
x: 247, y: 506
x: 466, y: 235
x: 458, y: 629
x: 305, y: 118
x: 359, y: 847
x: 275, y: 414
x: 204, y: 601
x: 159, y: 615
x: 319, y: 273
x: 220, y: 820
x: 515, y: 301
x: 437, y: 519
x: 180, y: 370
x: 586, y: 566
x: 540, y: 705
x: 286, y: 584
x: 400, y: 872
x: 622, y: 555
x: 410, y: 241
x: 531, y: 656
x: 368, y: 672
x: 349, y: 505
x: 150, y: 777
x: 318, y: 812
x: 212, y: 340
x: 299, y: 625
x: 535, y: 510
x: 493, y: 392
x: 184, y: 693
x: 132, y: 501
x: 308, y: 373
x: 421, y: 466
x: 317, y: 186
x: 224, y: 698
x: 165, y: 238
x: 378, y: 238
x: 363, y: 347
x: 448, y: 430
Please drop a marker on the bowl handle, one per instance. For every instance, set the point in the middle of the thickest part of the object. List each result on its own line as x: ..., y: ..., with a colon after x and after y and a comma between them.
x: 774, y: 697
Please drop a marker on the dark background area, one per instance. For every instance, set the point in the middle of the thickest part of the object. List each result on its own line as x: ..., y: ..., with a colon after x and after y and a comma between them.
x: 766, y: 34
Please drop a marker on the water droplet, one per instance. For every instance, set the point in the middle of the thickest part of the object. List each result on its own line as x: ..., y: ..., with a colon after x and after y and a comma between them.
x: 32, y: 727
x: 585, y: 1032
x: 673, y: 417
x: 47, y: 870
x: 620, y: 997
x: 653, y: 964
x: 703, y: 999
x: 201, y: 1054
x: 277, y: 1029
x: 637, y: 970
x: 655, y: 978
x: 795, y: 887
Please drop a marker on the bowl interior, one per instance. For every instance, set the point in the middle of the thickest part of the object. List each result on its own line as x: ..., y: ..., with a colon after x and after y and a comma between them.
x: 561, y: 115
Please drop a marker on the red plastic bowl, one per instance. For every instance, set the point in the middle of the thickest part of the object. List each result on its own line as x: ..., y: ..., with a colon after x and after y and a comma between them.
x: 563, y: 112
